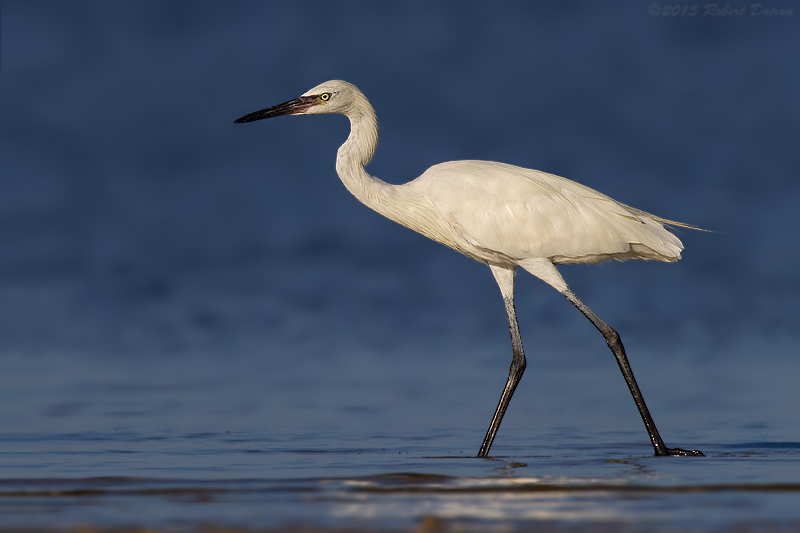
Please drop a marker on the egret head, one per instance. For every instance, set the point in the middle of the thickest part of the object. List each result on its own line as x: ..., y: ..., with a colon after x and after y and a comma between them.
x: 335, y: 96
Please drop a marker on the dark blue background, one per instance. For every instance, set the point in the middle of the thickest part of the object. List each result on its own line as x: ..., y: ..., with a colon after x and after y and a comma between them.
x: 139, y: 221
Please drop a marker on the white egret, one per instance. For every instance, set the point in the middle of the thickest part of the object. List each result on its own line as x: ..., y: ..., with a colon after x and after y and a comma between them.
x: 501, y: 215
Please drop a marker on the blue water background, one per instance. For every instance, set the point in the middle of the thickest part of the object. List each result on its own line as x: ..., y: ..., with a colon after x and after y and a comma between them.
x: 186, y: 299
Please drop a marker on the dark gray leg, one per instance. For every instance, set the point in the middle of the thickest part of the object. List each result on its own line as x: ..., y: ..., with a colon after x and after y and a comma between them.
x: 514, y: 375
x: 614, y: 342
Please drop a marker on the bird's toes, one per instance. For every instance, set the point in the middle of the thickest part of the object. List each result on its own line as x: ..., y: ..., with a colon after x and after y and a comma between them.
x: 685, y: 453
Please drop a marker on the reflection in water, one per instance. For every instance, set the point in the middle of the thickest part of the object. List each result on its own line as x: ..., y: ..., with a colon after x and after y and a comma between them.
x: 510, y: 506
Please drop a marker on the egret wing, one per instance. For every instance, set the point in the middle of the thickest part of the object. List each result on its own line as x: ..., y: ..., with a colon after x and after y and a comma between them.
x: 520, y: 213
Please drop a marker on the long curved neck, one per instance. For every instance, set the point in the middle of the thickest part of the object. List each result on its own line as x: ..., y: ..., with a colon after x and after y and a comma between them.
x: 400, y: 203
x: 355, y: 153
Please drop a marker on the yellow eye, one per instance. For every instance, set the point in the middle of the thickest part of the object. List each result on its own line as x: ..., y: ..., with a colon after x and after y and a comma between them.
x: 325, y: 97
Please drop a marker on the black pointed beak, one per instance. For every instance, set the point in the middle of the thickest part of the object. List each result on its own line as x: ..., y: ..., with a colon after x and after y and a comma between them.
x: 292, y: 107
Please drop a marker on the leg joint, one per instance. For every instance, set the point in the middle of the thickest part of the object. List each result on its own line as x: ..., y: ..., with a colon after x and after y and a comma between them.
x: 612, y: 338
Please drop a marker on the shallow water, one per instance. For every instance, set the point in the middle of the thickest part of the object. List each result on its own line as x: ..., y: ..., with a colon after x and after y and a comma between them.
x: 109, y: 443
x: 390, y: 481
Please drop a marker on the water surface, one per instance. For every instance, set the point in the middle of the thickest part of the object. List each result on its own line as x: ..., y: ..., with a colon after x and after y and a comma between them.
x: 181, y: 455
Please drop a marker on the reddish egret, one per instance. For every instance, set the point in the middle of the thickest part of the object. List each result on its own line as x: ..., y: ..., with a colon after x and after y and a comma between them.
x: 503, y: 216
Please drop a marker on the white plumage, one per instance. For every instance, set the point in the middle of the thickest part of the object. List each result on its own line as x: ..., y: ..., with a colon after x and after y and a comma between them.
x: 509, y: 213
x: 501, y: 215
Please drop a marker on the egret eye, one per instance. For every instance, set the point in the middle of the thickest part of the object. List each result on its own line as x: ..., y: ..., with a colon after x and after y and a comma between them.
x: 325, y: 97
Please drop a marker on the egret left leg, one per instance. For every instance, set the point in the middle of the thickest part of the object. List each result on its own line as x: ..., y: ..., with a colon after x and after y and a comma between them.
x: 614, y: 342
x: 505, y: 279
